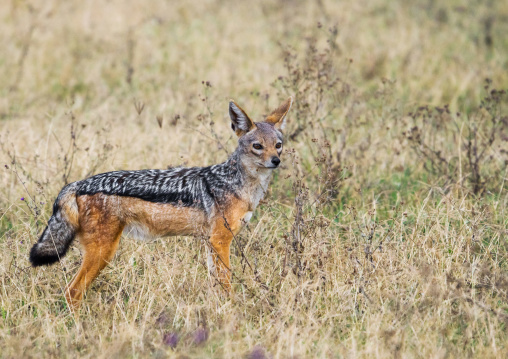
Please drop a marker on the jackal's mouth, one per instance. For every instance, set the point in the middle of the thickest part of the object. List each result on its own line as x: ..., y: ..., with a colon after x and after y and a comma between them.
x: 264, y: 166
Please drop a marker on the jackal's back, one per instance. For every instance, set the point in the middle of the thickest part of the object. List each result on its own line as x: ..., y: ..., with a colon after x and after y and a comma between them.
x: 199, y: 187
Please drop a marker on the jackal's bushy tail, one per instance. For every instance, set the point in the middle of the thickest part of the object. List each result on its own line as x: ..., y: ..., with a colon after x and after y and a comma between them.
x: 61, y: 230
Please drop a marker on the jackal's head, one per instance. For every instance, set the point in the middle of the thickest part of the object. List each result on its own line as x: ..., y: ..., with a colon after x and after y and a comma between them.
x: 259, y: 143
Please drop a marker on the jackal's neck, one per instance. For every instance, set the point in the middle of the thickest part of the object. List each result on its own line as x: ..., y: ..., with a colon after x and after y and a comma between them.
x: 232, y: 167
x: 254, y: 180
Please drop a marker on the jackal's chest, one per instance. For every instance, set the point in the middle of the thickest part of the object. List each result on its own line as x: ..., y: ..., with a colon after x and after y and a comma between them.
x: 256, y: 191
x: 251, y: 200
x: 246, y: 218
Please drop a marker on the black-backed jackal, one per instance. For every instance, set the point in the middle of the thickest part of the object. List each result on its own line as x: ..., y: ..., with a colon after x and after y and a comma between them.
x: 214, y: 201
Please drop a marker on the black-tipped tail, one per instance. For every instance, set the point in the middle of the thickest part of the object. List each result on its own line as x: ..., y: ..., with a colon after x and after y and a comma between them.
x: 61, y: 230
x: 53, y: 243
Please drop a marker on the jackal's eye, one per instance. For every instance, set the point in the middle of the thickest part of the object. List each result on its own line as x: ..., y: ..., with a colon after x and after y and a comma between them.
x: 257, y: 146
x: 278, y: 145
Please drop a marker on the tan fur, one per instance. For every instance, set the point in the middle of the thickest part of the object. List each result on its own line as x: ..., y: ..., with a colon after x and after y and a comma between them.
x: 68, y: 204
x: 99, y: 234
x: 164, y: 219
x: 102, y: 219
x: 278, y: 116
x: 227, y: 224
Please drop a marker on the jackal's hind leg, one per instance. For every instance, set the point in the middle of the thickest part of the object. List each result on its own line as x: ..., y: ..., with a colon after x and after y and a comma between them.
x: 99, y: 249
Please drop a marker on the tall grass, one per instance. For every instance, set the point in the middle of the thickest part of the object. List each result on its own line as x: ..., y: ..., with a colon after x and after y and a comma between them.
x: 383, y: 234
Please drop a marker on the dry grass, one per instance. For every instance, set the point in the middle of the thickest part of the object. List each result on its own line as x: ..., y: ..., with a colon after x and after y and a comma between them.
x: 363, y: 248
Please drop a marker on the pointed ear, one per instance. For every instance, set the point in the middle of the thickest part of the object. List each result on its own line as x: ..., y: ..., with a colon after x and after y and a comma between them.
x: 278, y: 116
x: 240, y: 121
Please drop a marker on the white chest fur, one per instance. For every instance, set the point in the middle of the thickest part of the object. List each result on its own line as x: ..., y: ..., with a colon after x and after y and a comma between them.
x: 258, y: 190
x: 247, y: 217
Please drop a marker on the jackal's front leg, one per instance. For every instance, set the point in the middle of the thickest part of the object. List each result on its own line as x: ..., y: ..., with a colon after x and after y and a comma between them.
x: 218, y: 256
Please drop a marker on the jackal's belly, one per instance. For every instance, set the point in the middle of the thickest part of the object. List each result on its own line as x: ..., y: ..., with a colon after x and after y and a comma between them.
x: 150, y: 220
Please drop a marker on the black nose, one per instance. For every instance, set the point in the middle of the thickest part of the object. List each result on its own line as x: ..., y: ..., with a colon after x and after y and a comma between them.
x: 276, y: 161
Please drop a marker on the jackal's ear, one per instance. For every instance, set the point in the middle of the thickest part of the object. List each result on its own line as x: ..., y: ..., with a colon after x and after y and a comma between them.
x: 279, y: 115
x: 240, y: 121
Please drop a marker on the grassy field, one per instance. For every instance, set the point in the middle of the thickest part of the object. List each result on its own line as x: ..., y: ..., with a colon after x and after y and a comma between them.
x: 384, y: 233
